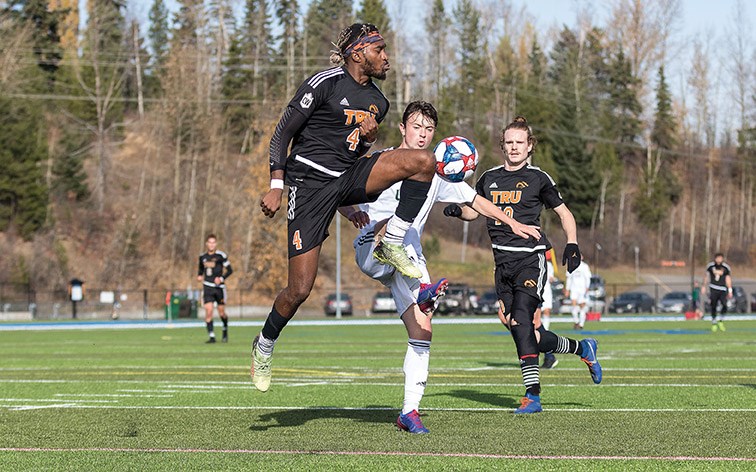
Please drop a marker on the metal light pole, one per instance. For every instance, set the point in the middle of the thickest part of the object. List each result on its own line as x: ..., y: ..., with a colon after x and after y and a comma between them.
x: 637, y: 266
x: 338, y: 265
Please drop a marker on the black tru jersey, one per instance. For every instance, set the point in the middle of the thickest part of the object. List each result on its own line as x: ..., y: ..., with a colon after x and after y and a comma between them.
x: 521, y: 194
x: 212, y: 266
x: 717, y: 275
x: 329, y: 143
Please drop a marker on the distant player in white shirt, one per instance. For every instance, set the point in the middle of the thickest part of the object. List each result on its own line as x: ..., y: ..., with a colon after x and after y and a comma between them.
x: 577, y: 286
x: 415, y: 299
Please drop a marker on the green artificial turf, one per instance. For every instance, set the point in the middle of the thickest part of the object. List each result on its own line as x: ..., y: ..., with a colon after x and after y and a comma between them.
x: 674, y: 397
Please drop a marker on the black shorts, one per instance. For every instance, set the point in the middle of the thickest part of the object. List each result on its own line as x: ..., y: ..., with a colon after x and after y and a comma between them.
x: 214, y: 294
x: 525, y: 276
x: 311, y: 210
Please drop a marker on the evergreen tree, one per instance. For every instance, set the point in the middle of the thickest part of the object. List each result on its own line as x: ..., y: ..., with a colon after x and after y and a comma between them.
x: 375, y: 12
x: 437, y: 30
x: 324, y: 21
x: 47, y: 49
x: 287, y: 13
x: 158, y: 31
x: 659, y: 188
x: 664, y: 133
x: 23, y: 194
x: 577, y: 176
x: 535, y: 102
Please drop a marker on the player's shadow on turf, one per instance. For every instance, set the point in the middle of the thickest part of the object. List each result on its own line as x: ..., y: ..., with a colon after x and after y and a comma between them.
x: 503, y: 364
x: 382, y: 414
x: 494, y: 399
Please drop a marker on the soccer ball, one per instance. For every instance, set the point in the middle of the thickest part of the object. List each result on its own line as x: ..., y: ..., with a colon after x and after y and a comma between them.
x: 456, y: 158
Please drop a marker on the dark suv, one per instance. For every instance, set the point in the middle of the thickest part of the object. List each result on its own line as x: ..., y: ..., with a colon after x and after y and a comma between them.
x: 460, y: 298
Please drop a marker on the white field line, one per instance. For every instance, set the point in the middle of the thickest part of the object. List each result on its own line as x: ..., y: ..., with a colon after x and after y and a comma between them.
x: 245, y: 367
x: 380, y: 453
x: 113, y: 395
x: 287, y: 381
x: 95, y: 325
x: 335, y: 408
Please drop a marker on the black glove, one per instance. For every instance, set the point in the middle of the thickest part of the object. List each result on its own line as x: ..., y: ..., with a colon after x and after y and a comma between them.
x: 571, y: 257
x: 453, y: 210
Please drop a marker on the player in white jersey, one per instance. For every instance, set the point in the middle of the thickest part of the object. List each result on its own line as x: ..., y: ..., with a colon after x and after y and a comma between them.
x: 543, y: 315
x: 577, y: 285
x: 415, y: 302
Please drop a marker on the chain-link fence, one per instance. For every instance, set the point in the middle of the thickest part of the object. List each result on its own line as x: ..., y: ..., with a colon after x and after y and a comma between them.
x: 20, y: 302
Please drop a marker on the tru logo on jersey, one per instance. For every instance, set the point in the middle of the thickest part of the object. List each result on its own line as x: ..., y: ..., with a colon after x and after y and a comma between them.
x: 355, y: 117
x: 506, y: 196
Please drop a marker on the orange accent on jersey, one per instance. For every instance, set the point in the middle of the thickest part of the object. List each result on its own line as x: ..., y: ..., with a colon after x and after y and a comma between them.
x: 506, y: 196
x: 297, y: 241
x: 353, y: 139
x: 355, y: 116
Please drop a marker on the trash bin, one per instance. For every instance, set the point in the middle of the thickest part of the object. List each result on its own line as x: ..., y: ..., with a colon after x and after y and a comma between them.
x: 179, y: 305
x: 187, y: 308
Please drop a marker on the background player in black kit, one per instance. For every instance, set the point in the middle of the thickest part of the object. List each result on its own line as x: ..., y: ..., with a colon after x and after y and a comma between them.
x: 522, y: 191
x: 719, y: 287
x: 331, y: 123
x: 213, y: 271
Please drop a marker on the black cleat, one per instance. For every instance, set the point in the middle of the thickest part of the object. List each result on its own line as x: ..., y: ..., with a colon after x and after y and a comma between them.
x: 225, y: 338
x: 549, y: 361
x: 210, y: 341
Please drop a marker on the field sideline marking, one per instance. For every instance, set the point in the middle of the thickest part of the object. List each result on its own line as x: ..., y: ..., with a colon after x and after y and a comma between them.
x: 349, y: 408
x: 377, y: 453
x: 161, y: 324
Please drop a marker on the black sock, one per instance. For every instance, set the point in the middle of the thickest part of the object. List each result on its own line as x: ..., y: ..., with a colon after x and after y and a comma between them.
x: 273, y: 325
x: 225, y: 323
x: 412, y: 195
x: 209, y: 326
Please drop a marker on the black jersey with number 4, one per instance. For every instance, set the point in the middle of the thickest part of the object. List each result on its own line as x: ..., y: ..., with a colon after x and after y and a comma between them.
x: 521, y: 194
x: 329, y: 143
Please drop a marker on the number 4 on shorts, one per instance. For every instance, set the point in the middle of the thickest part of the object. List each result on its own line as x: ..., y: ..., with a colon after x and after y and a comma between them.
x: 297, y: 241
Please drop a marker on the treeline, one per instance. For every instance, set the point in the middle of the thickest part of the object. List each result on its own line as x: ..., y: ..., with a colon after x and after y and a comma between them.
x: 122, y: 149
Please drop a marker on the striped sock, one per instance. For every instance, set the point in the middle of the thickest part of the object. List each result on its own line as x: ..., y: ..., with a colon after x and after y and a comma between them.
x: 566, y: 345
x: 265, y: 345
x: 531, y: 374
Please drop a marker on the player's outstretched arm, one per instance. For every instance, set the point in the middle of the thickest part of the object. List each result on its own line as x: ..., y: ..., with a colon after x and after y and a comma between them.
x: 486, y: 208
x: 571, y: 255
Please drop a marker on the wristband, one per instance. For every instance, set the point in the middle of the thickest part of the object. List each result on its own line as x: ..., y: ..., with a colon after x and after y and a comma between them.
x: 729, y: 290
x: 276, y: 183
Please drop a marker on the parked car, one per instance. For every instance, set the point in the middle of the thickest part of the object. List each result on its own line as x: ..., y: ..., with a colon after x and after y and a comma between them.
x: 737, y: 304
x: 597, y: 288
x: 632, y: 302
x: 383, y: 302
x: 753, y: 303
x: 557, y: 296
x: 345, y: 302
x: 675, y: 302
x: 460, y: 298
x: 488, y: 304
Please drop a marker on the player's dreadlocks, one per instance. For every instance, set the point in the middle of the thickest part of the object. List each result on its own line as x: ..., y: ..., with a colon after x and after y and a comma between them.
x: 353, y: 38
x: 520, y: 123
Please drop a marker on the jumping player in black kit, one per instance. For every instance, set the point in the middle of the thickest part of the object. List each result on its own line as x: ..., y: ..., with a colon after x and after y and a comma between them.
x: 213, y: 270
x: 521, y: 191
x: 720, y: 289
x: 331, y: 123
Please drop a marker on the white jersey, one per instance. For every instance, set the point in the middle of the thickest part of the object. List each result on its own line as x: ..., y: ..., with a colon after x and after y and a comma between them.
x: 404, y: 290
x: 579, y: 281
x: 440, y: 191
